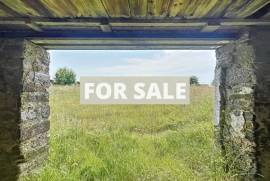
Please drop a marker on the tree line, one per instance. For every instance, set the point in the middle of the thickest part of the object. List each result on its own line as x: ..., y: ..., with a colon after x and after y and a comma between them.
x: 66, y: 76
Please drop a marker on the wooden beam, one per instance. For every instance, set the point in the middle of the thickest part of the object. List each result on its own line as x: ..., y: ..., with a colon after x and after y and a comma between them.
x: 94, y: 24
x: 135, y: 41
x: 33, y: 26
x: 105, y: 26
x: 129, y: 41
x: 133, y: 35
x: 211, y: 27
x: 133, y: 47
x: 247, y: 22
x: 138, y: 22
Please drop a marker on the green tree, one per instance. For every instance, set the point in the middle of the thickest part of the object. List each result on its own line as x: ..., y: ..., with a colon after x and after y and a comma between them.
x: 194, y: 80
x: 65, y: 76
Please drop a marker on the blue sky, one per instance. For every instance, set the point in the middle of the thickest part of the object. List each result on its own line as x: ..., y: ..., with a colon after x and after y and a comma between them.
x: 200, y: 63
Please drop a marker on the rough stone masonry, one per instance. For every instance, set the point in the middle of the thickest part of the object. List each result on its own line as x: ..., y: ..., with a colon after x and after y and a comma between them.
x: 243, y: 104
x: 24, y: 107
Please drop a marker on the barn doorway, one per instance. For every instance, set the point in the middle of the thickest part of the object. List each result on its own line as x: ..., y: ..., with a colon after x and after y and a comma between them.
x: 131, y: 142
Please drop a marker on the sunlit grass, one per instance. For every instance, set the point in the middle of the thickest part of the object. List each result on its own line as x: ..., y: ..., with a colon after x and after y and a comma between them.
x: 132, y: 142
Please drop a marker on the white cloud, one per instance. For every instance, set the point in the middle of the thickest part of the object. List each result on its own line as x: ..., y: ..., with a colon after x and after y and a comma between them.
x: 170, y: 62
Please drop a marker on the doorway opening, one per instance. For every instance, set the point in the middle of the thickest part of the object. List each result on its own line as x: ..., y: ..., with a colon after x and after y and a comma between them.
x: 133, y: 142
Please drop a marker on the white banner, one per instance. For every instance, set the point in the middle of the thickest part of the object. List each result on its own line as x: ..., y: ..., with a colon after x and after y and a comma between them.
x: 135, y: 90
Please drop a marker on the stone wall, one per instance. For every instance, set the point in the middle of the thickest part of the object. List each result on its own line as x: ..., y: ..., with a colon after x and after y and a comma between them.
x: 243, y: 104
x: 24, y: 107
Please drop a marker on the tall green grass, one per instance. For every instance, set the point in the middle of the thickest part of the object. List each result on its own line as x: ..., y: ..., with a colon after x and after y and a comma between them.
x: 132, y: 142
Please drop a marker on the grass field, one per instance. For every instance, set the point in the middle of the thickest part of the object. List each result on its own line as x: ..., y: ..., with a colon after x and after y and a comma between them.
x: 132, y: 142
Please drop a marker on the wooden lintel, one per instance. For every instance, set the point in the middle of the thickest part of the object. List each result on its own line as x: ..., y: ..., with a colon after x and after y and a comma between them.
x: 33, y: 26
x: 118, y: 41
x: 129, y: 41
x: 133, y: 47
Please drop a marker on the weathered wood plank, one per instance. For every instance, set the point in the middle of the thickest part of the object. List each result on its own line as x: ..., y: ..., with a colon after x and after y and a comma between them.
x: 93, y: 8
x: 158, y: 8
x: 251, y: 8
x: 254, y: 22
x: 245, y: 8
x: 130, y: 41
x: 176, y: 7
x: 3, y: 13
x: 121, y: 35
x: 20, y: 7
x: 117, y: 8
x: 38, y: 7
x: 210, y: 28
x: 132, y: 47
x: 71, y: 28
x: 138, y: 8
x: 183, y: 8
x: 189, y: 9
x: 61, y: 8
x: 156, y: 28
x: 8, y: 10
x: 204, y: 7
x: 158, y: 23
x: 219, y: 9
x: 67, y: 24
x: 33, y: 26
x: 76, y: 8
x: 234, y: 6
x: 192, y: 9
x: 105, y: 26
x: 135, y: 22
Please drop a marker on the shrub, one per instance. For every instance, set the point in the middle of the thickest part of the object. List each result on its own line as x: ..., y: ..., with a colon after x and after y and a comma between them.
x: 194, y: 80
x: 65, y: 76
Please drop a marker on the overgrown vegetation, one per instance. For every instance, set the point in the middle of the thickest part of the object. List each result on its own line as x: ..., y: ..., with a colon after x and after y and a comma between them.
x: 65, y: 76
x: 132, y: 142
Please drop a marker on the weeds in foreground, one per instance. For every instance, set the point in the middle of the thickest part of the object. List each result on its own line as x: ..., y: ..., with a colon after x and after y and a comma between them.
x: 132, y: 142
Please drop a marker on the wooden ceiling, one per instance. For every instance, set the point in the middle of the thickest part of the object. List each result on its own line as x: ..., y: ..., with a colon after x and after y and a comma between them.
x: 43, y: 21
x: 185, y: 9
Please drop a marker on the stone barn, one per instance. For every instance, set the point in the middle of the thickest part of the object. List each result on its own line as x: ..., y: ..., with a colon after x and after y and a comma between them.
x: 237, y: 29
